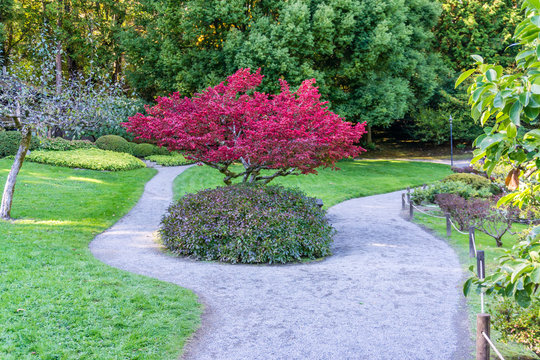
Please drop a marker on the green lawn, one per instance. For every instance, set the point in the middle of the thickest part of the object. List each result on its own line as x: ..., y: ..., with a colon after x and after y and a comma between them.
x: 56, y: 300
x: 356, y: 178
x: 460, y: 242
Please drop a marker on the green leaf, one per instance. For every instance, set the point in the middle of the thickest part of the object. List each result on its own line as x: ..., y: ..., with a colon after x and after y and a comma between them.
x: 521, y: 269
x: 490, y: 141
x: 478, y: 58
x: 464, y: 76
x: 515, y: 113
x: 524, y: 98
x: 491, y: 75
x: 523, y: 298
x: 533, y: 134
x: 498, y: 101
x: 535, y: 275
x: 536, y: 20
x: 467, y: 286
x: 531, y: 112
x: 511, y: 130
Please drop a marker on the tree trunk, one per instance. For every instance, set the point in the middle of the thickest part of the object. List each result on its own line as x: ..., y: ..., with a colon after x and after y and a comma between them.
x: 7, y: 197
x: 59, y: 52
x: 369, y: 139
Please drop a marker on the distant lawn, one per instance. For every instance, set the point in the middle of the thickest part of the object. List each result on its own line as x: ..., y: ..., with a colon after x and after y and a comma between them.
x: 355, y: 179
x: 460, y: 243
x: 56, y: 300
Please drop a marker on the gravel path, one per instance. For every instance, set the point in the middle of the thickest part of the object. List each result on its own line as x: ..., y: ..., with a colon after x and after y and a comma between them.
x: 390, y: 291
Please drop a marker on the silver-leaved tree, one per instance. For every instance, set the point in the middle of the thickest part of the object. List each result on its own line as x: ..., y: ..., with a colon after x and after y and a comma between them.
x: 35, y: 104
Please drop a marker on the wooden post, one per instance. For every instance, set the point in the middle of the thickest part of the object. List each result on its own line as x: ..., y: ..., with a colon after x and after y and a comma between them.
x: 403, y: 201
x: 482, y: 346
x: 472, y: 242
x: 411, y: 210
x: 448, y: 226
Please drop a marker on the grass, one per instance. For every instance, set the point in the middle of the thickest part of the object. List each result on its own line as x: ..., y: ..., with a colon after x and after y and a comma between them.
x: 56, y: 300
x: 355, y: 179
x: 460, y: 242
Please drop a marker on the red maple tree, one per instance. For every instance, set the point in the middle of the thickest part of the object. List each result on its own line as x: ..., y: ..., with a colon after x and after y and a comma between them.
x: 290, y: 133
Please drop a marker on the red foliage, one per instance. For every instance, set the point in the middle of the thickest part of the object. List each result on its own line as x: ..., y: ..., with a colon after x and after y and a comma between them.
x: 291, y: 132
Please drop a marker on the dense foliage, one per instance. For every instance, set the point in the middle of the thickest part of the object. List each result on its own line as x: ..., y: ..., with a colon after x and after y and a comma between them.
x: 247, y: 224
x: 93, y: 159
x: 476, y: 181
x: 517, y: 275
x: 514, y: 101
x: 113, y: 143
x: 372, y: 59
x: 428, y: 194
x: 61, y: 144
x: 174, y: 159
x: 517, y: 324
x: 290, y: 133
x: 9, y: 143
x: 143, y: 150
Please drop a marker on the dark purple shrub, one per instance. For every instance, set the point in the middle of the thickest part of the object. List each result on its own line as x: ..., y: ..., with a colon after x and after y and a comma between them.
x: 483, y: 214
x: 247, y: 224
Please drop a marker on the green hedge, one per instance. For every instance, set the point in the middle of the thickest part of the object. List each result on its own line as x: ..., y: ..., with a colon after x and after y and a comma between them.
x: 174, y: 159
x: 60, y: 144
x: 93, y: 159
x: 113, y: 143
x: 9, y: 143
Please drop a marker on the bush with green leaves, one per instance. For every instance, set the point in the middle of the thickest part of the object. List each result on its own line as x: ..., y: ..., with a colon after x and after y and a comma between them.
x: 61, y: 144
x: 113, y: 143
x: 476, y: 181
x: 517, y: 275
x: 247, y: 224
x: 144, y: 150
x: 517, y: 324
x: 93, y: 159
x: 466, y: 191
x: 9, y: 143
x: 174, y: 159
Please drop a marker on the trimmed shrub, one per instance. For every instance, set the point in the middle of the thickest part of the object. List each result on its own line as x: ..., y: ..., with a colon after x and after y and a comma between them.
x: 518, y: 324
x: 113, y: 143
x: 162, y: 150
x: 476, y: 181
x: 173, y: 159
x: 143, y: 150
x: 61, y: 144
x: 466, y: 191
x: 93, y: 159
x: 247, y: 224
x: 10, y: 140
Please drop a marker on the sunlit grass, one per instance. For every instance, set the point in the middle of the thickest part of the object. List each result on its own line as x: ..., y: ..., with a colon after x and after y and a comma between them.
x: 355, y: 179
x: 56, y: 300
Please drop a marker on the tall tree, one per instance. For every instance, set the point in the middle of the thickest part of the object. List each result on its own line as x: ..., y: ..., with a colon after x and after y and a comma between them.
x: 372, y: 59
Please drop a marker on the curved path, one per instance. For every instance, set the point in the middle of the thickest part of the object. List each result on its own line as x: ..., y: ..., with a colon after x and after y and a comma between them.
x: 390, y: 291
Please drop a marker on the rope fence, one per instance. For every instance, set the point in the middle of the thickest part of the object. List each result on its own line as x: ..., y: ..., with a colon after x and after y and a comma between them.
x: 483, y: 320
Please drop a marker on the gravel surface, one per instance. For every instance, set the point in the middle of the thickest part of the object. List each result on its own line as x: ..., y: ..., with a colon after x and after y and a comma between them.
x: 390, y: 291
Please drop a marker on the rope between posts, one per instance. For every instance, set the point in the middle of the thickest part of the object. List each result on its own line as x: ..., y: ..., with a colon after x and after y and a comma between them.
x: 423, y: 212
x: 454, y: 226
x: 435, y: 216
x: 492, y: 346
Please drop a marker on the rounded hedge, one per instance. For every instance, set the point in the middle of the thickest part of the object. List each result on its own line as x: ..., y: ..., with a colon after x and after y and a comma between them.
x: 247, y: 224
x: 10, y: 140
x: 476, y: 181
x: 144, y: 150
x: 113, y: 143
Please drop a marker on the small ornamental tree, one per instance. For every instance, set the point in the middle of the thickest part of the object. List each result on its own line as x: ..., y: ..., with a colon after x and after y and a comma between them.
x: 290, y: 133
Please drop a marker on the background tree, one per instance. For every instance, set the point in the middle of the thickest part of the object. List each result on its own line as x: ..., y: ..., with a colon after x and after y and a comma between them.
x: 372, y: 60
x: 290, y: 133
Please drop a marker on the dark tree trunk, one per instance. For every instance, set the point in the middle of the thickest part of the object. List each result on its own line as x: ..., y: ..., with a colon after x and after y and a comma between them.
x: 369, y: 138
x: 9, y: 189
